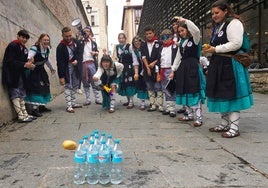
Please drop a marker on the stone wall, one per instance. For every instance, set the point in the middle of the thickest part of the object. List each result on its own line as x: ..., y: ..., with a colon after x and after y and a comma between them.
x: 259, y: 80
x: 36, y: 16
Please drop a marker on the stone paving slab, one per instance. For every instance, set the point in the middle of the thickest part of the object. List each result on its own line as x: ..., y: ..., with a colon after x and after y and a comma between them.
x: 159, y: 151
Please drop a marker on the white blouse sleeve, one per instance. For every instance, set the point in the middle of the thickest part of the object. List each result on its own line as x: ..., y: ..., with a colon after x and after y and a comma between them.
x: 32, y: 52
x: 119, y: 68
x: 99, y: 72
x: 49, y: 64
x: 234, y: 31
x: 135, y: 59
x: 177, y: 61
x: 194, y: 30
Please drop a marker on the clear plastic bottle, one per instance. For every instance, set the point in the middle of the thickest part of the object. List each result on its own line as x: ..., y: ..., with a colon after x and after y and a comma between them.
x: 92, y: 136
x: 92, y: 173
x: 97, y: 142
x: 104, y: 164
x: 85, y: 144
x: 117, y: 160
x: 96, y: 132
x: 80, y: 165
x: 103, y: 136
x: 110, y: 144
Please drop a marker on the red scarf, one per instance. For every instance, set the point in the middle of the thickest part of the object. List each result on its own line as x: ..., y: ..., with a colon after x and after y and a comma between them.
x: 169, y: 43
x: 152, y: 40
x: 67, y: 44
x: 18, y: 42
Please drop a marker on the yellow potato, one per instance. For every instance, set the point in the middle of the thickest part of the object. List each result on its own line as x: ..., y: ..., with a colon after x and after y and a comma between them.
x: 205, y: 46
x: 69, y: 145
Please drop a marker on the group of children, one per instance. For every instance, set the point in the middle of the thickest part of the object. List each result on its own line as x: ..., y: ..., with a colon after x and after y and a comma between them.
x: 166, y: 72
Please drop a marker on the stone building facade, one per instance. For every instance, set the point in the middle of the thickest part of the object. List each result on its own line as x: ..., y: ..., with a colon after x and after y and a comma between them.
x: 39, y: 16
x: 97, y: 13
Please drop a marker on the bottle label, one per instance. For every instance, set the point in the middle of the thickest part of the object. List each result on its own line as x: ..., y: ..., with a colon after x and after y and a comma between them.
x: 104, y: 158
x: 93, y: 158
x: 117, y: 157
x: 79, y: 159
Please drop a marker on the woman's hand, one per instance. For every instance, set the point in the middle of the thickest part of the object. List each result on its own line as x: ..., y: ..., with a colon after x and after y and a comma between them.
x: 74, y: 63
x: 206, y: 48
x: 136, y: 77
x: 171, y: 75
x: 149, y: 73
x: 95, y: 78
x: 62, y: 81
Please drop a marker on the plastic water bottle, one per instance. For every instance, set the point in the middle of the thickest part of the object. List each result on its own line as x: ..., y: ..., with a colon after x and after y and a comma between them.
x: 103, y: 137
x: 85, y: 144
x: 110, y: 144
x: 92, y: 173
x: 117, y: 160
x: 96, y: 132
x: 80, y: 168
x: 97, y: 142
x: 92, y: 136
x: 104, y: 163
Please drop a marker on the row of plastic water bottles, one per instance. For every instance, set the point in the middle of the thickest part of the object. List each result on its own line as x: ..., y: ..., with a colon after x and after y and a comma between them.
x: 98, y: 160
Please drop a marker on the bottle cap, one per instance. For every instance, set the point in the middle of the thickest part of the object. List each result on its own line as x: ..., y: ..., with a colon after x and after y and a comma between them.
x: 117, y: 141
x: 85, y: 137
x: 103, y: 142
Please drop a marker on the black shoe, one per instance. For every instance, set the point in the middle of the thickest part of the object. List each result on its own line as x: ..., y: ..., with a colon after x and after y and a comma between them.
x: 181, y: 111
x: 32, y: 117
x: 44, y: 109
x: 25, y: 120
x: 98, y: 102
x: 172, y: 114
x: 165, y: 112
x: 36, y: 113
x: 125, y: 104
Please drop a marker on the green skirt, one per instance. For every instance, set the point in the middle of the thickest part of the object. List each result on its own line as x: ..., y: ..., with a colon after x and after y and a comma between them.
x: 244, y: 96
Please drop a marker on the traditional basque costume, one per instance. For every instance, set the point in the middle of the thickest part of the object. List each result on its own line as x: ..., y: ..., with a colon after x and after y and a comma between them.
x: 66, y: 54
x: 14, y: 79
x: 228, y: 84
x: 109, y: 77
x: 150, y: 52
x: 140, y: 84
x: 127, y: 83
x: 168, y: 53
x: 38, y: 86
x: 190, y: 80
x: 88, y: 68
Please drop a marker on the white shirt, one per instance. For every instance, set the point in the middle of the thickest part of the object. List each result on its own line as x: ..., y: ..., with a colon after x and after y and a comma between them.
x: 234, y: 31
x: 194, y: 30
x: 87, y: 52
x: 119, y: 69
x: 32, y: 53
x: 166, y: 57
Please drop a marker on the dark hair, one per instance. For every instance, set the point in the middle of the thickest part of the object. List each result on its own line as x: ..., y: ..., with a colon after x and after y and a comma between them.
x: 183, y: 24
x: 149, y: 28
x: 23, y: 33
x: 106, y: 58
x: 223, y: 5
x: 65, y: 29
